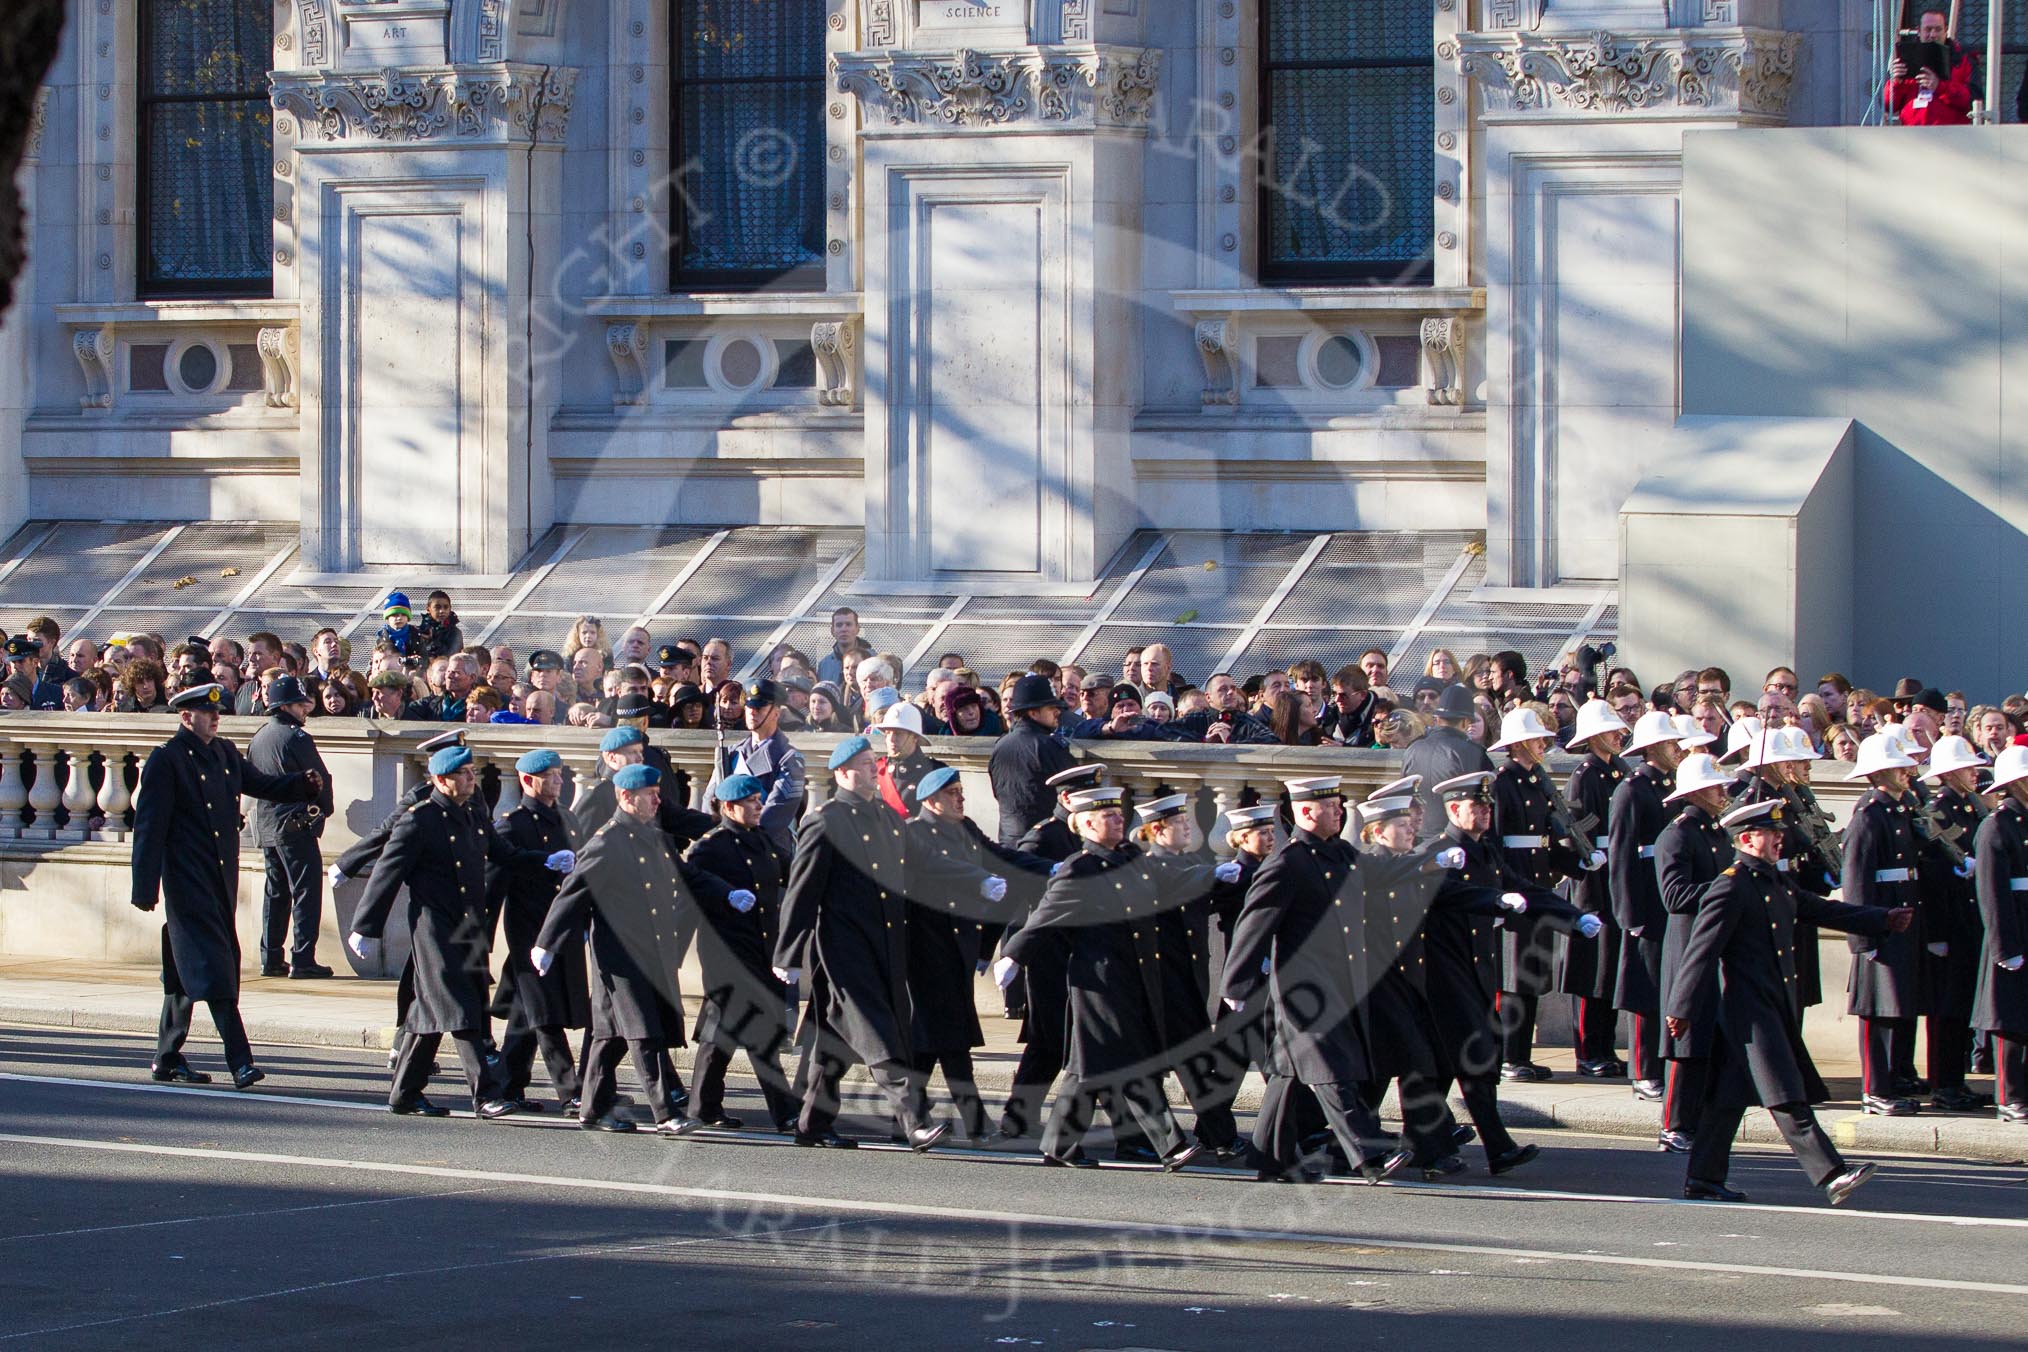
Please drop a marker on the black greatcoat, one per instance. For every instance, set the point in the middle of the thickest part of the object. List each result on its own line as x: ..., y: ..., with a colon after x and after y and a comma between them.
x: 1093, y: 923
x: 1182, y: 884
x: 2001, y: 1003
x: 1457, y: 980
x: 1639, y: 813
x: 1741, y: 959
x: 360, y: 856
x: 441, y: 851
x: 186, y: 852
x: 1305, y: 922
x: 626, y: 890
x: 1951, y: 912
x: 844, y: 922
x: 1887, y: 976
x: 948, y: 862
x: 1023, y: 760
x: 1692, y: 851
x: 1590, y: 967
x: 522, y: 893
x: 744, y: 1003
x: 1811, y: 873
x: 1522, y: 808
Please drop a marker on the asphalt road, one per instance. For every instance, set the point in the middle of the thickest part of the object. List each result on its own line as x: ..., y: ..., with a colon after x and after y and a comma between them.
x: 302, y: 1215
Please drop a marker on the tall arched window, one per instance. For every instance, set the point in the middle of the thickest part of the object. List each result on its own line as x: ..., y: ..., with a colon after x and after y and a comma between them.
x: 748, y: 142
x: 207, y: 190
x: 1348, y: 112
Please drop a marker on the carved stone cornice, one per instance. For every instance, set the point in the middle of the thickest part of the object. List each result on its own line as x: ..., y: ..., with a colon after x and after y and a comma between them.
x: 504, y: 102
x: 1746, y: 74
x: 1068, y: 87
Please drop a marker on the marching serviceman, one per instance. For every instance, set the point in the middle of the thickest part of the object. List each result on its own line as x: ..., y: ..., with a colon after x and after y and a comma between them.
x: 1544, y: 846
x: 625, y: 893
x: 1639, y: 812
x: 1589, y: 970
x: 287, y: 835
x: 1741, y: 962
x: 844, y: 921
x: 1883, y: 869
x: 441, y: 852
x: 539, y: 1006
x: 1811, y: 857
x: 186, y: 853
x: 1951, y: 930
x: 1689, y: 855
x: 2000, y: 1005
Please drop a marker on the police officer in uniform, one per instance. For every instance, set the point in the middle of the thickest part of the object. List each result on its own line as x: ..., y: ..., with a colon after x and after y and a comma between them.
x: 287, y: 834
x: 1589, y: 968
x: 1883, y: 869
x: 1689, y: 855
x: 1445, y: 752
x: 1027, y: 756
x: 2000, y: 1003
x: 186, y: 853
x: 538, y: 1006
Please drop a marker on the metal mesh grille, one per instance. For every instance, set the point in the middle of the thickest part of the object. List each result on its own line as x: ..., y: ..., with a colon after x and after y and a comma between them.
x: 1277, y: 649
x: 763, y: 571
x: 81, y: 562
x: 203, y: 552
x: 1200, y: 574
x: 993, y: 650
x: 616, y: 571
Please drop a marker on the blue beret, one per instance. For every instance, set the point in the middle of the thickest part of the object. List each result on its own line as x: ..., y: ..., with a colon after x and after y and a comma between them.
x: 935, y: 782
x: 847, y: 749
x: 450, y: 760
x: 619, y: 739
x: 735, y: 787
x: 538, y: 761
x: 635, y: 777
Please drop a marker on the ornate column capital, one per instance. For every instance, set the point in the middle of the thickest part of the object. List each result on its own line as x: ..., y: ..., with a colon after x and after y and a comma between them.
x: 502, y: 102
x: 1068, y: 87
x: 1741, y: 74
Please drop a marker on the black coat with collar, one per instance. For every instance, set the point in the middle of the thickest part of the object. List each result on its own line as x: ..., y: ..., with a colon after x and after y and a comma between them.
x: 2000, y: 1004
x: 1590, y: 967
x: 1951, y: 912
x: 1023, y: 760
x: 519, y: 892
x: 1640, y: 812
x: 1523, y: 807
x: 1459, y: 979
x: 628, y: 900
x: 1690, y: 854
x: 282, y: 748
x: 744, y: 1002
x: 1888, y: 978
x: 948, y: 864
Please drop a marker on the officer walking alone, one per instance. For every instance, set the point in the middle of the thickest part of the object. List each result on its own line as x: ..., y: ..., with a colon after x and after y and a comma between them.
x: 287, y: 834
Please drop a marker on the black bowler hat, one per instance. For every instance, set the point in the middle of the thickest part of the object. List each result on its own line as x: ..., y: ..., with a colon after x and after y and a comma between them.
x: 1455, y: 702
x: 762, y: 694
x: 1930, y: 698
x: 286, y: 689
x: 1033, y: 692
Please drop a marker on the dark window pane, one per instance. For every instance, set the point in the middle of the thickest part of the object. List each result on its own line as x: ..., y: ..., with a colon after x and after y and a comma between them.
x: 1351, y: 30
x: 208, y: 46
x: 742, y: 39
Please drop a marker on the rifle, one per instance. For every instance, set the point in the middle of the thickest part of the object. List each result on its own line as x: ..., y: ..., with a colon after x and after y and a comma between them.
x: 1826, y: 843
x: 1580, y: 832
x: 1931, y: 829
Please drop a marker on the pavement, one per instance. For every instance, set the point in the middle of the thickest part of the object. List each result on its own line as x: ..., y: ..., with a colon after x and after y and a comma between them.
x: 350, y: 1012
x: 302, y: 1215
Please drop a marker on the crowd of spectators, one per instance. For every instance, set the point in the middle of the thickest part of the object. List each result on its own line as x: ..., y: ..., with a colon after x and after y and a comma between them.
x: 419, y: 668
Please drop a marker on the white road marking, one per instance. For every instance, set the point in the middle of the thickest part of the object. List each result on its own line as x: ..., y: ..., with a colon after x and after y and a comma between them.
x: 920, y: 1211
x: 242, y: 1215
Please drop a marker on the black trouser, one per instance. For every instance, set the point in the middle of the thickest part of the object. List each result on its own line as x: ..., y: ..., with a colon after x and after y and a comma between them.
x: 602, y: 1080
x: 824, y: 1070
x: 1950, y: 1052
x: 1595, y: 1028
x: 1356, y: 1126
x: 418, y: 1050
x: 1042, y: 1057
x: 1644, y: 1049
x: 517, y: 1061
x: 1517, y: 1028
x: 1211, y: 1074
x: 957, y: 1069
x: 1481, y: 1094
x: 1725, y: 1108
x: 707, y: 1074
x: 1886, y: 1053
x: 295, y: 893
x: 2010, y: 1069
x: 1684, y: 1092
x: 1426, y: 1120
x: 173, y: 1028
x: 1139, y: 1099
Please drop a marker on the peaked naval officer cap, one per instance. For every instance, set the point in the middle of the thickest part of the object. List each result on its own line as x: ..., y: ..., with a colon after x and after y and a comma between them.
x: 935, y: 782
x: 450, y: 760
x: 634, y: 778
x: 1098, y: 799
x: 1384, y: 809
x: 1951, y: 753
x: 734, y: 788
x: 21, y: 645
x: 847, y: 749
x: 1314, y: 789
x: 1161, y: 809
x: 1881, y: 751
x: 1521, y: 725
x: 1406, y: 784
x: 1476, y: 787
x: 619, y: 739
x: 1699, y: 770
x: 1690, y: 735
x: 545, y: 659
x: 199, y: 697
x: 1594, y: 716
x: 669, y: 655
x: 2010, y: 766
x: 1247, y: 818
x: 429, y: 746
x: 1768, y: 815
x: 1087, y: 776
x: 538, y: 762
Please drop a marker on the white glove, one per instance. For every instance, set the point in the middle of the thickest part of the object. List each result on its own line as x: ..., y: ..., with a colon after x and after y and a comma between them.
x: 2012, y: 964
x: 1453, y: 858
x: 1966, y: 869
x: 1227, y: 872
x: 361, y: 946
x: 740, y: 900
x: 563, y: 861
x: 1232, y: 1004
x: 1514, y: 902
x: 1940, y: 949
x: 1589, y: 926
x: 1596, y: 862
x: 993, y: 889
x: 334, y: 875
x: 1004, y: 972
x: 540, y: 959
x: 787, y: 975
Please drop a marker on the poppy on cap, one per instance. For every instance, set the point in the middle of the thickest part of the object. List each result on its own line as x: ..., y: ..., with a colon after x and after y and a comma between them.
x: 847, y: 749
x: 733, y: 788
x: 634, y: 778
x: 539, y: 761
x: 450, y: 760
x: 619, y: 739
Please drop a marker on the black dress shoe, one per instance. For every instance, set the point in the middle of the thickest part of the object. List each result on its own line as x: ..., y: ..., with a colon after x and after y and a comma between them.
x: 1960, y: 1100
x: 722, y: 1122
x: 925, y: 1137
x: 610, y: 1122
x: 677, y: 1127
x: 1847, y: 1183
x: 1889, y: 1107
x: 525, y: 1105
x: 1675, y: 1142
x: 1509, y: 1160
x: 1697, y: 1190
x: 246, y: 1077
x: 311, y: 972
x: 1135, y: 1154
x: 1386, y: 1166
x: 1524, y: 1072
x: 491, y: 1110
x: 1462, y: 1136
x: 786, y: 1127
x: 1601, y: 1070
x: 274, y: 969
x: 1076, y: 1159
x: 574, y: 1106
x: 178, y: 1074
x: 1241, y: 1154
x: 679, y: 1099
x: 827, y: 1140
x: 1649, y: 1091
x: 2012, y: 1112
x: 1909, y: 1086
x: 1182, y: 1156
x: 417, y: 1107
x: 1445, y: 1166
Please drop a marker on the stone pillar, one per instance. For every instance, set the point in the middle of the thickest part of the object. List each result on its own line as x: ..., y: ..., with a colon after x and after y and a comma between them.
x: 1001, y: 154
x: 425, y: 166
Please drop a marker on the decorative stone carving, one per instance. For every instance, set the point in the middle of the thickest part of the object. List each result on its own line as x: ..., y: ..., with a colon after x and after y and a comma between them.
x: 1077, y: 20
x: 277, y: 347
x: 836, y: 344
x: 38, y: 122
x: 492, y: 30
x: 1443, y: 350
x: 95, y: 349
x: 1745, y: 73
x: 1107, y: 87
x: 627, y: 345
x: 500, y: 102
x: 1514, y: 14
x: 1218, y: 348
x: 313, y: 21
x: 876, y: 23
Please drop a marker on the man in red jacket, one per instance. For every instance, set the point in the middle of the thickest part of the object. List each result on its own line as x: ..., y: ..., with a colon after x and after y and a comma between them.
x: 1925, y: 99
